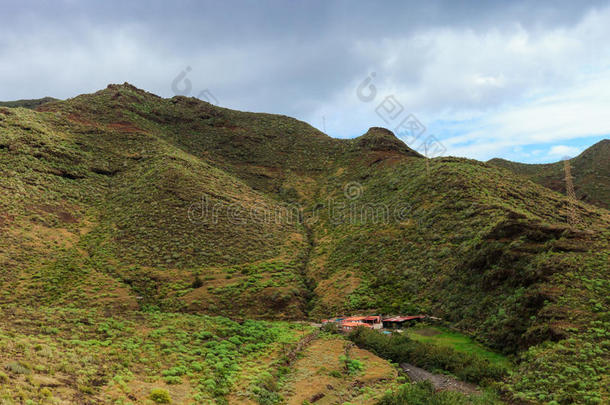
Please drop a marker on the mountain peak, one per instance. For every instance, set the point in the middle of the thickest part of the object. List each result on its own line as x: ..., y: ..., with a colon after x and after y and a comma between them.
x: 127, y: 88
x: 113, y: 86
x: 380, y: 131
x: 382, y: 139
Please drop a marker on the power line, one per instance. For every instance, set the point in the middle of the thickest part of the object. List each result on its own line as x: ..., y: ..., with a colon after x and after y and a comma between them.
x: 427, y: 160
x: 572, y: 214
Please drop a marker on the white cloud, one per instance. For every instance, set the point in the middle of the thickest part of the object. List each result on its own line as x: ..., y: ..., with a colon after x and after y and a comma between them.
x: 561, y: 151
x: 580, y: 111
x: 486, y: 92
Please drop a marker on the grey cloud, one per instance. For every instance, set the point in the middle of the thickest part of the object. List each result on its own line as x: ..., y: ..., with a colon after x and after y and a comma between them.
x: 295, y: 58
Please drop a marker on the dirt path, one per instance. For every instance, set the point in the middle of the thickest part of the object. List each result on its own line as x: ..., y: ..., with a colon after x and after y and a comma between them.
x: 439, y: 381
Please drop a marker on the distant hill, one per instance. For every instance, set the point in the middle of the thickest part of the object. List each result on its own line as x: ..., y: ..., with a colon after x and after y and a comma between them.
x: 31, y: 104
x: 123, y: 201
x: 590, y: 169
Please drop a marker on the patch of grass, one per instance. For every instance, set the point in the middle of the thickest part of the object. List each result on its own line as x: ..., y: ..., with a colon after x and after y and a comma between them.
x: 424, y: 394
x: 399, y: 348
x: 459, y: 342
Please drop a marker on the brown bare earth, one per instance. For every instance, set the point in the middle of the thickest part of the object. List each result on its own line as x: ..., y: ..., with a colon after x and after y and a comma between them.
x: 139, y: 390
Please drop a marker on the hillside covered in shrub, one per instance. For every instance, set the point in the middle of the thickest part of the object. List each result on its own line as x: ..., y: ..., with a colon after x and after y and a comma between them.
x: 124, y: 203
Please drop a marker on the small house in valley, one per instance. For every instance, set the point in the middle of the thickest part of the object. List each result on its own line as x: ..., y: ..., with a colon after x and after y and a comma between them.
x: 374, y: 321
x: 349, y: 326
x: 398, y: 322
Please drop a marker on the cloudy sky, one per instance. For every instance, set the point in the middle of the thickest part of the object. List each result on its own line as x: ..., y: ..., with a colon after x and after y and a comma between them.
x: 526, y: 81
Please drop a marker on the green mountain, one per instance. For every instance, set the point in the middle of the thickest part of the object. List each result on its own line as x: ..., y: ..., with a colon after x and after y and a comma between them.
x: 590, y: 172
x: 31, y: 104
x: 122, y: 203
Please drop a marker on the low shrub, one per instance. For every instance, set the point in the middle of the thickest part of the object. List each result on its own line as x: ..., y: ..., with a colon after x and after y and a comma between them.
x: 172, y: 380
x: 197, y: 283
x: 400, y: 349
x: 17, y: 368
x: 330, y: 327
x: 423, y: 393
x: 351, y: 366
x: 266, y: 390
x: 160, y: 396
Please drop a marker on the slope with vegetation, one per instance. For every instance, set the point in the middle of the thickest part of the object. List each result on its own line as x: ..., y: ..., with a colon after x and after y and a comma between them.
x: 123, y: 204
x: 590, y: 171
x: 64, y: 355
x: 31, y: 104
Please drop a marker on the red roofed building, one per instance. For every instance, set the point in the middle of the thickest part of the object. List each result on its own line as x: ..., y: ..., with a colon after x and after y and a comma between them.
x: 348, y: 326
x: 400, y: 321
x: 354, y: 319
x: 372, y: 319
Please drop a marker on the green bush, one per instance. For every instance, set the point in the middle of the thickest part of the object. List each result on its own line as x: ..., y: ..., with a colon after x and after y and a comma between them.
x: 352, y: 366
x: 266, y: 390
x: 175, y: 371
x: 330, y: 327
x: 197, y: 283
x: 400, y: 349
x: 160, y: 396
x: 18, y: 368
x: 173, y: 380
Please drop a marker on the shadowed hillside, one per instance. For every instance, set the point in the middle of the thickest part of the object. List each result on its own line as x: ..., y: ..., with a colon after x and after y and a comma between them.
x: 590, y: 169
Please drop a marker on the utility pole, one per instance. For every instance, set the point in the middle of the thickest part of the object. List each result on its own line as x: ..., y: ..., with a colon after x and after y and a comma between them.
x: 427, y: 159
x: 572, y: 215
